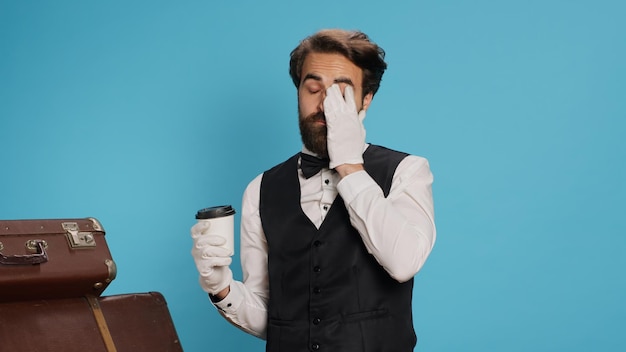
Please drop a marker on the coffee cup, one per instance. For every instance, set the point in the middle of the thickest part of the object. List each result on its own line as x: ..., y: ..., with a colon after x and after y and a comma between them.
x: 221, y: 223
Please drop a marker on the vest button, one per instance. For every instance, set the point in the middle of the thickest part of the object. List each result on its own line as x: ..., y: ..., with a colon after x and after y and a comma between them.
x: 317, y: 290
x: 317, y: 243
x: 316, y: 321
x: 317, y: 269
x: 315, y: 346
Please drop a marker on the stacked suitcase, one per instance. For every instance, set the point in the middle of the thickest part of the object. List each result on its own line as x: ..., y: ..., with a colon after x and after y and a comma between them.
x: 52, y: 276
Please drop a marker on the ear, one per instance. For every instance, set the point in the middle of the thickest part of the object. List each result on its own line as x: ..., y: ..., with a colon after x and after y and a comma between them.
x: 367, y: 100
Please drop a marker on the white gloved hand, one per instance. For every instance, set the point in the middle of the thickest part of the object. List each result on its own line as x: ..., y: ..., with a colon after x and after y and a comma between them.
x: 212, y: 261
x: 346, y: 133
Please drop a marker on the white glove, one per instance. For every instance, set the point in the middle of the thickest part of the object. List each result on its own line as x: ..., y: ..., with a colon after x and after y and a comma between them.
x: 212, y: 261
x: 346, y: 133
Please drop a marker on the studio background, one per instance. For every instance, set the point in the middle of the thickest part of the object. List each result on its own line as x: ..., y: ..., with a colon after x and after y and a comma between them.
x: 141, y: 113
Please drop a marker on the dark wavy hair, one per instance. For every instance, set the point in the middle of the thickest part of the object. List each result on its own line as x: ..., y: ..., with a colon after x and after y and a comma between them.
x: 354, y: 45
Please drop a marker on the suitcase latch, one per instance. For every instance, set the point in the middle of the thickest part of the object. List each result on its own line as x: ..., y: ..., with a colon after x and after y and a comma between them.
x: 76, y: 238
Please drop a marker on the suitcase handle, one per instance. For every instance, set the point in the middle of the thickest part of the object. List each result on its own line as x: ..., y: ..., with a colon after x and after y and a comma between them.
x: 39, y: 257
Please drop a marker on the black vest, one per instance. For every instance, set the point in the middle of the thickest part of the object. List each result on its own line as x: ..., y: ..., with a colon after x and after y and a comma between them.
x: 327, y: 293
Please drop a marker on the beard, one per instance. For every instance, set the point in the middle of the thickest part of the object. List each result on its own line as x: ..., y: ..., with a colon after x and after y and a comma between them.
x: 313, y: 133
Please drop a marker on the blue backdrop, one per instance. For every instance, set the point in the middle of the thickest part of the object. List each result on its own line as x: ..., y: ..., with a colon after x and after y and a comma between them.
x: 140, y: 113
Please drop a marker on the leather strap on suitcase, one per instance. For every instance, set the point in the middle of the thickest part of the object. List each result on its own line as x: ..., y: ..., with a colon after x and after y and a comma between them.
x: 102, y: 324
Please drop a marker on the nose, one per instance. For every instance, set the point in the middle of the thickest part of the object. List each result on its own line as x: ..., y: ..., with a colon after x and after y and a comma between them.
x: 322, y: 96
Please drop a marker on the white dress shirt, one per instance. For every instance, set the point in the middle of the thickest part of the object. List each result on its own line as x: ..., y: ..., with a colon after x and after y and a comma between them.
x: 399, y: 231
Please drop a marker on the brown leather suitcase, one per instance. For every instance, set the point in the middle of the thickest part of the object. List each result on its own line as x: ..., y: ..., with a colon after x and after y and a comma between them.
x: 53, y: 258
x: 139, y: 322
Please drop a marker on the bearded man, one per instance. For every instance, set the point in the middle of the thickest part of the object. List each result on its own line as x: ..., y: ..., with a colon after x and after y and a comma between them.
x: 332, y: 238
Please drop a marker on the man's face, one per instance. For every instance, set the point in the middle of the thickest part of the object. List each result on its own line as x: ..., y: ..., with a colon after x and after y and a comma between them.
x: 319, y: 72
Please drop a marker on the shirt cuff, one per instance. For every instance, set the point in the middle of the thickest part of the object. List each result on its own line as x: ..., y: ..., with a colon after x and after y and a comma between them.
x: 350, y: 186
x: 232, y: 301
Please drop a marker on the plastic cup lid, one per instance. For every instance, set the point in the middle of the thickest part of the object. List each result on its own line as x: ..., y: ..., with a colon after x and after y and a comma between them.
x: 215, y: 212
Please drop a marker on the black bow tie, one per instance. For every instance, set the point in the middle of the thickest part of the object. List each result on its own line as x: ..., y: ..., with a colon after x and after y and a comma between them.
x: 311, y: 165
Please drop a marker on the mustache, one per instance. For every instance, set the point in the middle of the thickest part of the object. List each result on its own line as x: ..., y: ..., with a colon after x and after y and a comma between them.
x: 316, y: 116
